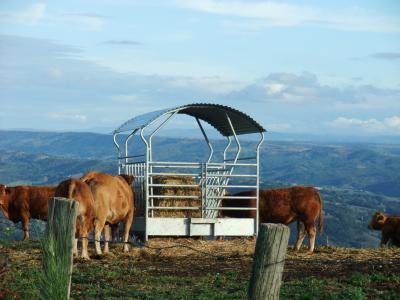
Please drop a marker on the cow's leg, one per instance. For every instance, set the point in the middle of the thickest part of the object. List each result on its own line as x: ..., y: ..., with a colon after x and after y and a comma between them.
x: 301, y: 233
x: 25, y: 227
x: 310, y: 227
x: 106, y: 238
x: 98, y: 227
x: 127, y: 227
x: 114, y: 231
x: 77, y: 234
x: 84, y: 235
x: 384, y: 239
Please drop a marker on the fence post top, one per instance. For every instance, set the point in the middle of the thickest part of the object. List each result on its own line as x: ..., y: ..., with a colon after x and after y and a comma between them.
x: 273, y: 225
x: 65, y: 201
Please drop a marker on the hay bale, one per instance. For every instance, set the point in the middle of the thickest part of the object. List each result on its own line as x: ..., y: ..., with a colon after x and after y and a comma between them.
x: 178, y: 191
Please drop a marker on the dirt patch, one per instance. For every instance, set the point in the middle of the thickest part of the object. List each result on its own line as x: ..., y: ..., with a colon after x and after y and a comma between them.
x: 188, y: 257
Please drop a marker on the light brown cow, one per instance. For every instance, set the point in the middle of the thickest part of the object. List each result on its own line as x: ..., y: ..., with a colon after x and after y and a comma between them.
x: 389, y: 225
x: 79, y: 191
x: 285, y: 205
x: 113, y: 198
x: 22, y: 203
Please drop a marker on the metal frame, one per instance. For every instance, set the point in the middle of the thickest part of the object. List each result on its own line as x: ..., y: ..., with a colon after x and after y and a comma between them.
x: 212, y: 178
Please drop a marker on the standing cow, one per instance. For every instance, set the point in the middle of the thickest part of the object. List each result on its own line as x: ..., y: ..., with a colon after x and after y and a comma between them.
x: 389, y: 225
x: 285, y: 205
x: 22, y: 203
x: 113, y: 203
x: 79, y: 191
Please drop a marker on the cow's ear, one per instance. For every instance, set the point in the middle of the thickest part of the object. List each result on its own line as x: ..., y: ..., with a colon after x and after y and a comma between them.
x: 380, y: 217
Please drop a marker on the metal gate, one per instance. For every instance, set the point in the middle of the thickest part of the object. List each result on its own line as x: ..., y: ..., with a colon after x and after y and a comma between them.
x: 210, y: 179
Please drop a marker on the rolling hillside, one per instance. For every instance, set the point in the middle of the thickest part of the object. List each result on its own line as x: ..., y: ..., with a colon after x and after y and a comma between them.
x: 355, y: 179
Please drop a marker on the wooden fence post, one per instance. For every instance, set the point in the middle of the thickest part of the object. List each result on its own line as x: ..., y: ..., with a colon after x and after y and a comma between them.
x: 269, y: 260
x: 58, y: 248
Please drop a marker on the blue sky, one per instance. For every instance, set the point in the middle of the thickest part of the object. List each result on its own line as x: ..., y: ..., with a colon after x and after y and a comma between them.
x: 295, y: 66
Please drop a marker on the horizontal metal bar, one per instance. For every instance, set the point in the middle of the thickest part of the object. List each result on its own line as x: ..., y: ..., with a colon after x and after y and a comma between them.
x: 173, y: 197
x: 230, y: 208
x: 236, y: 165
x: 174, y: 162
x: 232, y: 186
x: 134, y: 163
x: 243, y: 158
x: 130, y: 156
x: 198, y: 208
x: 174, y: 174
x: 231, y: 197
x: 173, y: 185
x: 177, y: 167
x: 217, y: 168
x: 233, y: 175
x: 175, y: 207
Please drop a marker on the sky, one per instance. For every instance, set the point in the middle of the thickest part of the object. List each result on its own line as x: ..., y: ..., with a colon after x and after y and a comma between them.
x: 310, y: 67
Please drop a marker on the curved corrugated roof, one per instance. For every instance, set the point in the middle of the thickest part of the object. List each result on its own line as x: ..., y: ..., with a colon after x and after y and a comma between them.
x: 213, y: 114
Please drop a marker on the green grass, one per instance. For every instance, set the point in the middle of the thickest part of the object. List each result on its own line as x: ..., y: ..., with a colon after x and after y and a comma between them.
x: 132, y: 277
x: 358, y: 286
x: 95, y: 283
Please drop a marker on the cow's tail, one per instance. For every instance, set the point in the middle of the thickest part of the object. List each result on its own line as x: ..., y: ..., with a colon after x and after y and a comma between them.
x: 321, y: 217
x: 71, y: 190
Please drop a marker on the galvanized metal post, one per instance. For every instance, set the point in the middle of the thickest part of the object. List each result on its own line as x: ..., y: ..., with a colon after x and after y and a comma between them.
x: 235, y: 136
x: 118, y: 152
x: 126, y: 146
x: 207, y: 140
x: 146, y: 185
x: 258, y: 182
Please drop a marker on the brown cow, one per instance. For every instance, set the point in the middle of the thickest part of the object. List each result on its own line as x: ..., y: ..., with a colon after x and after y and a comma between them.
x: 21, y: 203
x: 390, y: 226
x: 285, y: 205
x: 114, y: 228
x: 113, y: 199
x: 79, y: 191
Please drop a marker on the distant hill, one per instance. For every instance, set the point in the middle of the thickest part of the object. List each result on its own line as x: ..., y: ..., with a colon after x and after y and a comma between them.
x: 19, y: 168
x: 355, y: 179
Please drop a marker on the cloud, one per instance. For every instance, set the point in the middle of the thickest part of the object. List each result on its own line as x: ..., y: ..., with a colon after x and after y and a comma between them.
x: 124, y: 98
x: 274, y: 13
x: 211, y: 84
x: 277, y: 13
x: 122, y: 42
x: 91, y: 22
x: 290, y: 89
x: 68, y: 117
x: 390, y: 124
x: 386, y: 55
x: 29, y: 16
x: 43, y: 83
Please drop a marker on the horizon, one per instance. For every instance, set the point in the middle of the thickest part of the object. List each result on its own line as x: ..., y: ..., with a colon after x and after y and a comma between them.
x: 326, y: 69
x: 270, y: 136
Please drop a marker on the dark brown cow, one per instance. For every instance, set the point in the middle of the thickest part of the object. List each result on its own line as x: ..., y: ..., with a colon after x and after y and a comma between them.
x: 22, y: 203
x: 285, y: 205
x: 113, y: 198
x: 79, y: 191
x: 389, y: 225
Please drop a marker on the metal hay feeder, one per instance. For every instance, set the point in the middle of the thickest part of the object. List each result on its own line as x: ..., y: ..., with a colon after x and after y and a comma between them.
x: 210, y: 177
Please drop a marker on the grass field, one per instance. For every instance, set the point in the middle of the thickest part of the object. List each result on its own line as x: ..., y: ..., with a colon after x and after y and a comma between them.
x: 197, y: 269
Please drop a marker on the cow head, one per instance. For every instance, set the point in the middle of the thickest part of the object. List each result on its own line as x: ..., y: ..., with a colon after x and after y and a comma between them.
x: 128, y: 178
x: 378, y: 219
x: 4, y: 200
